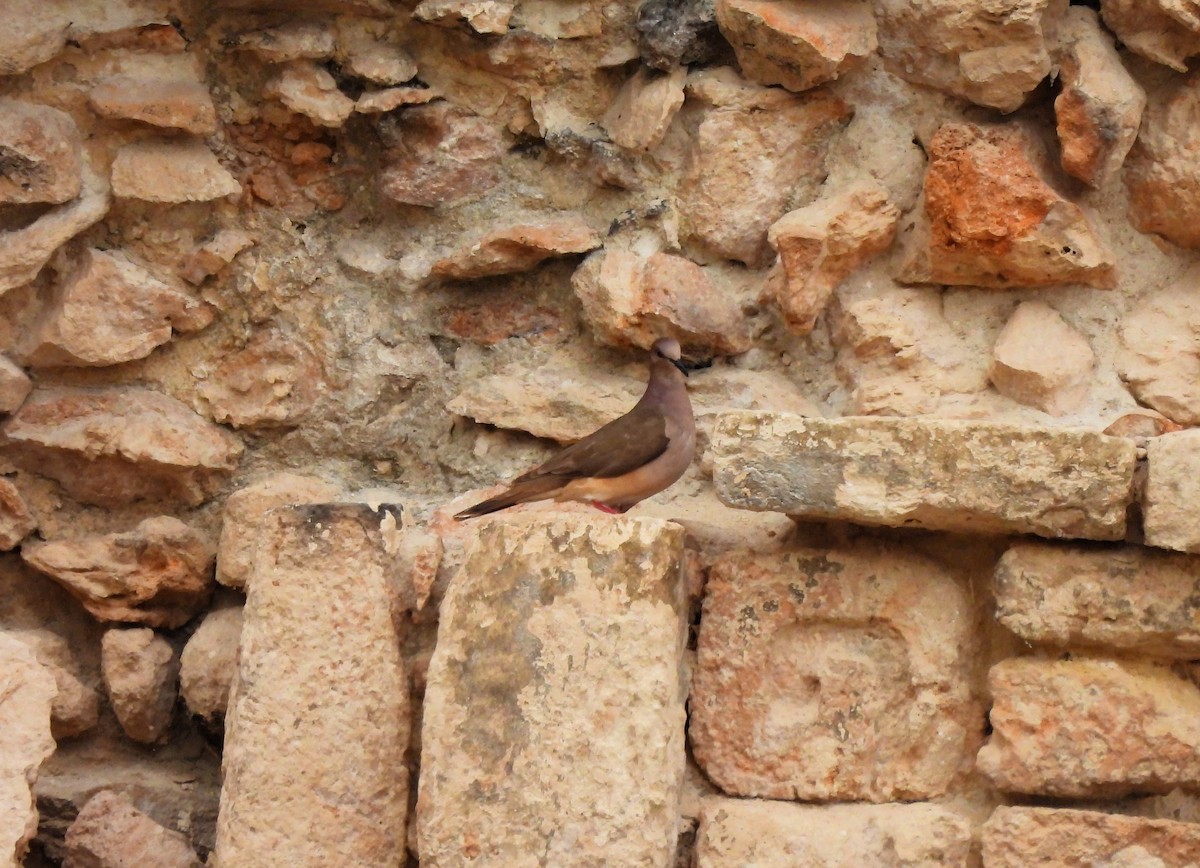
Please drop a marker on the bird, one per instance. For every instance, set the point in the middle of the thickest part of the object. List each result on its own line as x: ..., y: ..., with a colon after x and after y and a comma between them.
x: 629, y: 459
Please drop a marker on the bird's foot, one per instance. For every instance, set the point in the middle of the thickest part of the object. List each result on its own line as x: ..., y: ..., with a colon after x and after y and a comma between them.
x: 604, y: 507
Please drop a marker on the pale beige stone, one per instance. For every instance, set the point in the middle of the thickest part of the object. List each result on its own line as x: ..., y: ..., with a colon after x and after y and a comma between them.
x: 833, y: 675
x: 644, y: 108
x: 993, y: 54
x: 16, y: 521
x: 245, y: 514
x: 1018, y: 837
x: 752, y: 157
x: 554, y: 713
x: 1100, y: 106
x: 180, y: 104
x: 106, y: 310
x: 272, y: 382
x: 15, y: 385
x: 518, y: 247
x: 214, y: 255
x: 1090, y: 728
x: 1042, y: 361
x: 1165, y: 31
x: 110, y: 832
x: 317, y: 729
x: 35, y: 32
x: 822, y: 244
x: 975, y: 477
x: 120, y: 444
x: 76, y: 705
x: 161, y: 170
x: 362, y: 53
x: 292, y: 40
x: 1159, y: 354
x: 1162, y: 171
x: 483, y: 16
x: 1128, y: 598
x: 41, y: 156
x: 797, y: 43
x: 310, y: 90
x: 1172, y: 491
x: 391, y: 98
x: 989, y: 218
x: 209, y: 662
x: 159, y: 574
x: 633, y: 299
x: 24, y: 252
x: 140, y: 670
x: 736, y: 833
x: 26, y: 692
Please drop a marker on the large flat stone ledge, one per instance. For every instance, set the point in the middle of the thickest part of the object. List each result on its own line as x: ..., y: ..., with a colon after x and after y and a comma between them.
x: 1017, y: 837
x: 938, y: 474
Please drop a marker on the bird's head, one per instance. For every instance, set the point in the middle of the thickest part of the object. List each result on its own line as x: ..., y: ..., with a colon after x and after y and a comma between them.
x: 669, y: 350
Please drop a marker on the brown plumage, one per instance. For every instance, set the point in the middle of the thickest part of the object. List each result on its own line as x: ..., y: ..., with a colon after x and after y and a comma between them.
x: 625, y: 461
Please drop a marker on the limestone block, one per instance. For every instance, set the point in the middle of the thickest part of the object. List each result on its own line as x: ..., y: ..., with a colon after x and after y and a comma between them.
x: 674, y: 32
x: 111, y: 832
x: 310, y: 90
x: 1041, y: 361
x: 361, y: 53
x: 735, y: 833
x: 976, y: 477
x: 107, y: 310
x: 159, y: 574
x: 822, y: 244
x: 990, y: 218
x: 292, y: 40
x: 482, y: 16
x: 15, y: 385
x: 519, y: 247
x: 1165, y: 31
x: 271, y: 382
x: 1016, y: 837
x: 244, y: 520
x: 76, y: 706
x: 181, y: 104
x: 1162, y: 171
x: 119, y: 444
x: 209, y: 661
x: 631, y: 299
x: 1159, y: 356
x: 40, y: 154
x: 1090, y: 728
x: 16, y: 521
x: 1172, y: 491
x: 554, y: 712
x: 171, y: 171
x: 644, y: 108
x: 315, y: 737
x: 752, y: 157
x: 26, y: 692
x: 140, y: 671
x: 1100, y: 105
x: 24, y: 252
x: 443, y: 155
x: 1129, y: 598
x: 993, y: 54
x: 388, y: 99
x: 834, y: 675
x: 797, y: 44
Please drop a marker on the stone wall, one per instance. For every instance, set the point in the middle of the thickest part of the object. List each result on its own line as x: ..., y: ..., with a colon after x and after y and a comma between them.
x: 285, y: 284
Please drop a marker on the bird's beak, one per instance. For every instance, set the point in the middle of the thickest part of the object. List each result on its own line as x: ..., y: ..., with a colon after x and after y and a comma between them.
x: 678, y: 363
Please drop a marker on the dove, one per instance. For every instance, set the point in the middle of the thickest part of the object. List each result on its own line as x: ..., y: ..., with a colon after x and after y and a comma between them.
x: 627, y: 460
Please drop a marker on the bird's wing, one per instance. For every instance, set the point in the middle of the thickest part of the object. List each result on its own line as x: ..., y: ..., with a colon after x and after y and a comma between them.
x: 621, y: 446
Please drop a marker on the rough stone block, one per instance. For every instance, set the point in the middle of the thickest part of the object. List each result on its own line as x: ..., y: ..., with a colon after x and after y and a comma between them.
x: 1041, y: 361
x: 838, y: 674
x: 939, y: 474
x: 140, y: 671
x: 170, y: 171
x: 554, y: 713
x: 1171, y: 518
x: 110, y: 831
x: 318, y: 720
x: 40, y: 154
x: 1018, y: 837
x: 1129, y: 598
x: 735, y: 833
x: 26, y: 692
x: 209, y: 661
x: 16, y: 521
x: 1091, y: 728
x: 1159, y: 356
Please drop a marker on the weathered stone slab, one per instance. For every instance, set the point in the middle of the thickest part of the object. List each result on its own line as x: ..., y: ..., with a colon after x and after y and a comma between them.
x: 834, y: 675
x: 1171, y: 518
x: 933, y: 473
x: 1091, y: 728
x: 1130, y: 598
x: 318, y: 719
x: 111, y: 831
x: 1159, y: 356
x: 170, y: 171
x: 554, y: 713
x: 735, y: 833
x: 1018, y: 837
x: 26, y: 692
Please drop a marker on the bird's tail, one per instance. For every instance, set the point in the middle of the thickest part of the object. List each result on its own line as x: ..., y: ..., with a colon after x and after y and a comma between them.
x: 521, y: 492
